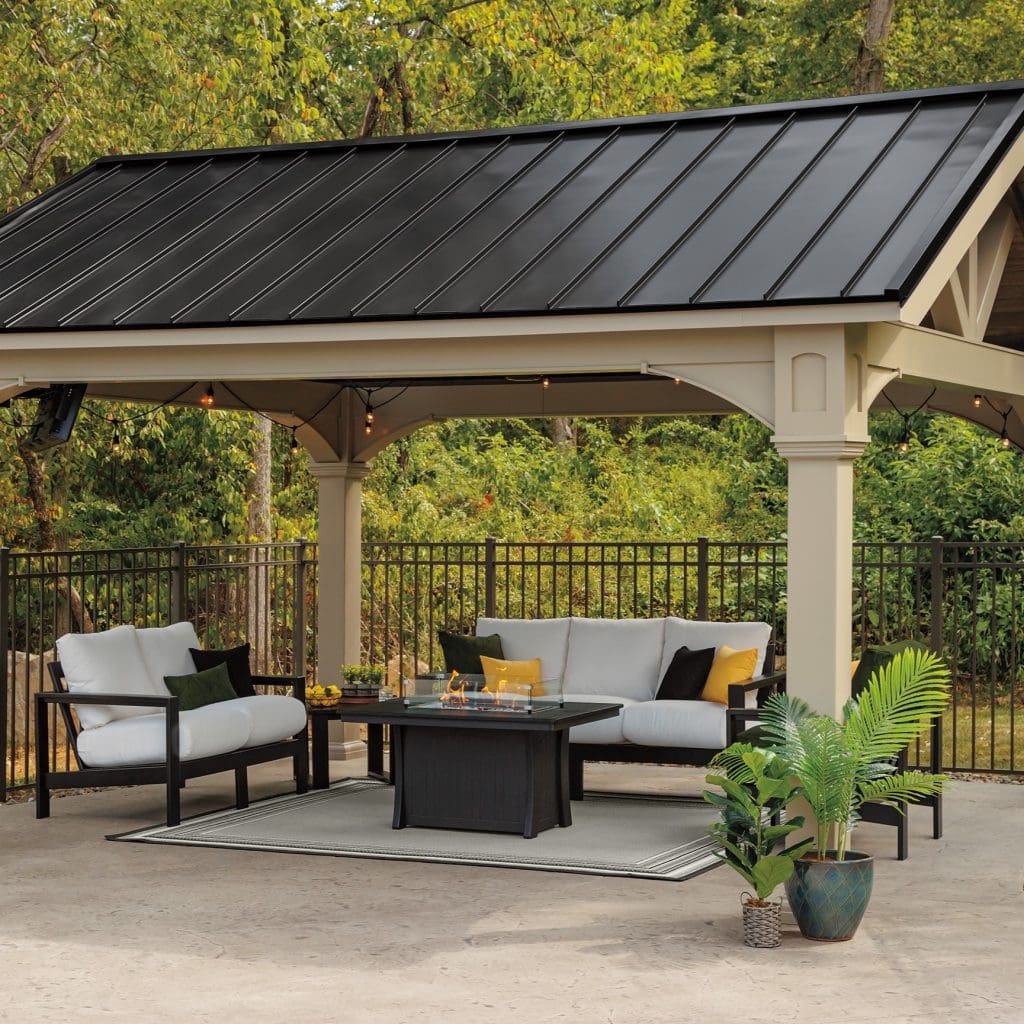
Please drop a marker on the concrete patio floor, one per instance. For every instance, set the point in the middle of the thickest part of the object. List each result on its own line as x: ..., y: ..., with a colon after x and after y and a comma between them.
x: 98, y: 931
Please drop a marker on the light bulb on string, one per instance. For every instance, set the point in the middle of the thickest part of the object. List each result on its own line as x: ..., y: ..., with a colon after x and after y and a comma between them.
x: 1005, y: 441
x: 976, y: 401
x: 115, y: 444
x: 208, y: 399
x: 545, y: 383
x: 293, y: 448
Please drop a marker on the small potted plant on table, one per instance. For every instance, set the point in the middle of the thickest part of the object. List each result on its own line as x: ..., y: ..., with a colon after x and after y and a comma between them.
x: 757, y: 786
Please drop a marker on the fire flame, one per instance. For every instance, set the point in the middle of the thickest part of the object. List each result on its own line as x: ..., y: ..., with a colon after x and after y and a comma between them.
x: 503, y: 695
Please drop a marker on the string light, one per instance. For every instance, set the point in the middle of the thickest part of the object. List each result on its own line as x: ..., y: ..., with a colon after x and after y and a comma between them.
x: 676, y: 381
x: 208, y: 399
x: 903, y: 444
x: 115, y: 444
x: 976, y: 401
x: 1004, y: 434
x: 293, y: 448
x: 545, y: 383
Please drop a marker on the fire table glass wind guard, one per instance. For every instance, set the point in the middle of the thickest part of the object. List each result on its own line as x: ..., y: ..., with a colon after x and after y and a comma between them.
x: 467, y: 692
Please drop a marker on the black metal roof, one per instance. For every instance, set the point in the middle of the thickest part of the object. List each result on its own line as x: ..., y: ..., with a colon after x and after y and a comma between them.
x: 824, y: 201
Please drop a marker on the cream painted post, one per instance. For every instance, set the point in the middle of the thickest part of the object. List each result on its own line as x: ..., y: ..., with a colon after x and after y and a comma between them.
x: 820, y: 428
x: 339, y: 558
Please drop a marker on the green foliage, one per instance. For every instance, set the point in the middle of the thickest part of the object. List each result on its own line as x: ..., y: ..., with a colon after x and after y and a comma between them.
x: 841, y: 766
x: 757, y: 786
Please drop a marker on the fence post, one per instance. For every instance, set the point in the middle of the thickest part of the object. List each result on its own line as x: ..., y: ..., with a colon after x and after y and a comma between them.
x: 299, y: 610
x: 490, y: 576
x: 5, y: 666
x: 702, y: 578
x: 178, y: 582
x: 935, y: 642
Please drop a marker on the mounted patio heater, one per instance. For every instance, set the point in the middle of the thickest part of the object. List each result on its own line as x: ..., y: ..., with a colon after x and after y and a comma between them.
x: 55, y: 416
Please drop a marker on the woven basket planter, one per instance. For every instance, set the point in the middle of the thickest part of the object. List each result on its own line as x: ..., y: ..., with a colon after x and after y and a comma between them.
x: 762, y: 926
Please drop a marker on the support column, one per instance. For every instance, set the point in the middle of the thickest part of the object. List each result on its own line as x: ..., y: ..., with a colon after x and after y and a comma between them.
x: 821, y: 427
x: 339, y: 557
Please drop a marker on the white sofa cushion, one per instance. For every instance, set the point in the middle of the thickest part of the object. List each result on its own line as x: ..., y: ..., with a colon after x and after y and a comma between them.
x: 272, y: 717
x: 606, y: 730
x: 697, y: 635
x: 107, y: 662
x: 675, y: 723
x: 166, y: 650
x: 617, y: 657
x: 203, y: 732
x: 525, y: 639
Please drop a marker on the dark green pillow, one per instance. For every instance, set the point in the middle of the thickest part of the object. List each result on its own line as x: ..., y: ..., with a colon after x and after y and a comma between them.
x: 462, y: 653
x: 196, y: 690
x: 874, y: 658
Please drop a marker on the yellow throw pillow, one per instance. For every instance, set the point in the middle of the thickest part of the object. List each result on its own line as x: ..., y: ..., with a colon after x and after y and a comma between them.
x: 728, y: 667
x: 513, y: 675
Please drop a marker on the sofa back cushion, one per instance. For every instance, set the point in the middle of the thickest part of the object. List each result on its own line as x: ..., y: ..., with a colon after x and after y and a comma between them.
x: 617, y: 657
x: 107, y: 662
x: 167, y: 651
x: 525, y: 639
x: 696, y: 634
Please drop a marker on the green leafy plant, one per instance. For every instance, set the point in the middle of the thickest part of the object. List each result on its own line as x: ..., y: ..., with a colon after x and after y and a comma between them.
x: 843, y: 765
x: 757, y: 785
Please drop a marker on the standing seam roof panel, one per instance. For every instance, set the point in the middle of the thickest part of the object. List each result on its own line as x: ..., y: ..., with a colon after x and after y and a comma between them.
x: 827, y: 201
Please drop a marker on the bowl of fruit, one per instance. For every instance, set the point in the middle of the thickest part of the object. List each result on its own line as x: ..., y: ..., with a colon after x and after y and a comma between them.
x: 323, y: 696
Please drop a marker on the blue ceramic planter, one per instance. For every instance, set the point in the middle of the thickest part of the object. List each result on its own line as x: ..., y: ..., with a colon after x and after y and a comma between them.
x: 828, y: 897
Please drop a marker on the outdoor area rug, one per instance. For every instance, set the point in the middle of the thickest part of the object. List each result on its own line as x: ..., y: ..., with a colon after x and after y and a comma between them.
x: 655, y: 838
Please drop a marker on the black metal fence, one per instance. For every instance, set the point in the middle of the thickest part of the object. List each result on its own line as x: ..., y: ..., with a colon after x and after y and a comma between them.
x: 961, y: 598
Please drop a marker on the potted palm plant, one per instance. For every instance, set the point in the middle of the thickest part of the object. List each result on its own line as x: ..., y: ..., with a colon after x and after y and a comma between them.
x: 841, y: 766
x: 757, y: 785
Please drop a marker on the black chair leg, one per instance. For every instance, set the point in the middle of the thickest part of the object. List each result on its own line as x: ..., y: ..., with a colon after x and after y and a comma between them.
x: 173, y: 800
x: 300, y: 763
x: 42, y: 760
x: 241, y: 787
x: 903, y: 836
x: 937, y: 817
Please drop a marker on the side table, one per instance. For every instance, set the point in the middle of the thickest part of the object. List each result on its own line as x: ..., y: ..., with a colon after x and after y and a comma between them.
x: 320, y: 719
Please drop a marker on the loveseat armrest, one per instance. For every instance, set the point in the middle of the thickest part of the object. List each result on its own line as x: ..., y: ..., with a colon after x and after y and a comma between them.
x: 737, y: 713
x: 297, y: 684
x: 121, y: 700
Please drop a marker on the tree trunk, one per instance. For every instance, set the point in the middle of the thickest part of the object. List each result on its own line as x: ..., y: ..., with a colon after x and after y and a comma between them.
x: 562, y: 433
x: 70, y: 598
x: 259, y: 532
x: 869, y: 71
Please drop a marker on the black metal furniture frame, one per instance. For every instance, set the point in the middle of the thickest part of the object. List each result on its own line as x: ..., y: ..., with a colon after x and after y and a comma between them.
x: 175, y: 772
x: 737, y: 716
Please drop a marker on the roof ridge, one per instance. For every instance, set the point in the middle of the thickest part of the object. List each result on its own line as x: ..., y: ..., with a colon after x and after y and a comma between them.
x: 597, y: 124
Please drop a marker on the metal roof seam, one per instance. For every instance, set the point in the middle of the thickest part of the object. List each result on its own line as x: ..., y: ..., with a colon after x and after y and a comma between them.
x: 399, y: 228
x: 742, y: 244
x: 99, y: 232
x: 516, y: 223
x: 224, y: 243
x: 293, y: 230
x: 341, y: 232
x: 61, y: 228
x: 46, y: 202
x: 705, y: 213
x: 93, y: 267
x: 182, y: 239
x: 450, y: 231
x: 580, y: 217
x: 913, y: 266
x: 890, y: 231
x: 677, y: 179
x: 841, y: 205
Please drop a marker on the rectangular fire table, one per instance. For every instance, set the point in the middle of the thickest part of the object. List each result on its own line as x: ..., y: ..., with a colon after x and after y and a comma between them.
x: 492, y: 771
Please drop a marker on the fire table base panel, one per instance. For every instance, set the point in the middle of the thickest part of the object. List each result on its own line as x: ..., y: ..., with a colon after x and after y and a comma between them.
x: 484, y: 780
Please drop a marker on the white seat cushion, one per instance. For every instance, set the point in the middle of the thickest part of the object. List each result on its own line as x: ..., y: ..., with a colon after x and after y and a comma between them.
x: 272, y: 717
x: 607, y: 730
x: 697, y: 635
x: 166, y: 650
x: 107, y: 662
x: 616, y: 657
x: 525, y: 639
x: 675, y: 723
x: 203, y: 732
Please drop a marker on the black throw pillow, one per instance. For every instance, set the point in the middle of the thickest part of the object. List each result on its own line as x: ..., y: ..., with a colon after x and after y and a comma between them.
x: 237, y: 661
x: 462, y: 653
x: 686, y: 674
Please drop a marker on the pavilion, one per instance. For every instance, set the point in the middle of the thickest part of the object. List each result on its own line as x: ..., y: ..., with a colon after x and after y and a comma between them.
x: 790, y: 261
